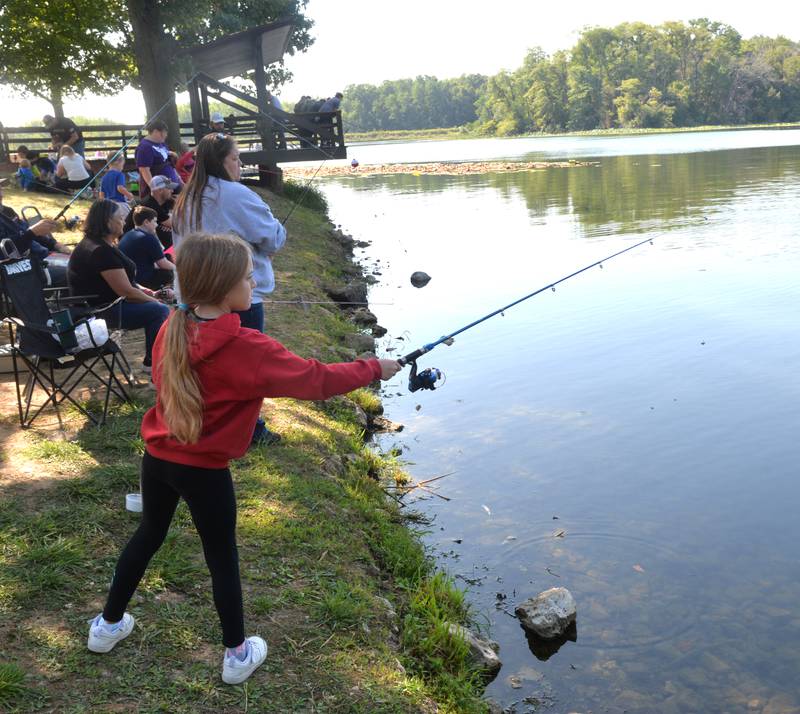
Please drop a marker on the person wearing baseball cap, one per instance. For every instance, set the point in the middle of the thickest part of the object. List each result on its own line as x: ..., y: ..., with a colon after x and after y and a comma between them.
x: 217, y: 122
x: 161, y: 201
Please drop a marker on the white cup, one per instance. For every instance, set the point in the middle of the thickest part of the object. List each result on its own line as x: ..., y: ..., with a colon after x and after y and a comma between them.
x: 133, y: 502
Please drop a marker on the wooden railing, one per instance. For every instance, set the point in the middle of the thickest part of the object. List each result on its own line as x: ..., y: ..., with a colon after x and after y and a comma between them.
x: 290, y: 137
x: 265, y: 134
x: 100, y: 139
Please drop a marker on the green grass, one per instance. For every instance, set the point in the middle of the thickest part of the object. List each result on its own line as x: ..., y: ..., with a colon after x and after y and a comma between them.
x: 306, y: 194
x: 12, y: 683
x: 62, y: 451
x: 368, y: 400
x: 318, y: 541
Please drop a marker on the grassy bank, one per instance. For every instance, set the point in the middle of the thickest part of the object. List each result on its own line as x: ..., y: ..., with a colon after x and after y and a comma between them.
x: 467, y: 132
x: 333, y: 574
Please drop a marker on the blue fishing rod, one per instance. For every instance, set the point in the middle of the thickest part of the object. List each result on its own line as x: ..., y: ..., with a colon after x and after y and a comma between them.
x: 427, y: 378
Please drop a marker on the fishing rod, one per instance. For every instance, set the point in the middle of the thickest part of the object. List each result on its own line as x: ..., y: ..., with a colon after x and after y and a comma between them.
x: 311, y: 145
x: 427, y: 378
x: 113, y: 158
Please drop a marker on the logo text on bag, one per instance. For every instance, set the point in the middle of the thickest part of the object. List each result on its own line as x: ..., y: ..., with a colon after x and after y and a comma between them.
x: 23, y: 266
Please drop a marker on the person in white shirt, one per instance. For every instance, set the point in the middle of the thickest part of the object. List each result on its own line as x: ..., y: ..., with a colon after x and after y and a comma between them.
x: 72, y: 170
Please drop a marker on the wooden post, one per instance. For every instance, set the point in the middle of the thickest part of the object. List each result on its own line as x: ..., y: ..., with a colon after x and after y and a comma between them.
x: 205, y: 111
x: 5, y: 150
x: 260, y: 76
x: 269, y: 174
x: 196, y: 109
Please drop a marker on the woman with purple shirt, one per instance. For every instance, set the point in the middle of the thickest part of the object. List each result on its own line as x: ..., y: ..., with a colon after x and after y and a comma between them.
x: 153, y: 157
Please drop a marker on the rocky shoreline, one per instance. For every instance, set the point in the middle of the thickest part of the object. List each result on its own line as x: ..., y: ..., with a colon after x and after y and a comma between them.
x: 439, y: 168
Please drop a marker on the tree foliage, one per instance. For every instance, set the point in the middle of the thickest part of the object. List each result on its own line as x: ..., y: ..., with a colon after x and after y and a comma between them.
x: 631, y: 75
x: 54, y: 50
x: 161, y: 29
x: 59, y: 49
x: 418, y: 103
x: 639, y: 75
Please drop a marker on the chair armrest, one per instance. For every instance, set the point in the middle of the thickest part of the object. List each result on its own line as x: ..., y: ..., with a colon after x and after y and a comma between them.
x: 107, y: 307
x: 50, y: 329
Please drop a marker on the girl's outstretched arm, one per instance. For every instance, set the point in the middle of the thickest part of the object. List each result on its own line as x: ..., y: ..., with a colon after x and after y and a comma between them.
x: 283, y: 374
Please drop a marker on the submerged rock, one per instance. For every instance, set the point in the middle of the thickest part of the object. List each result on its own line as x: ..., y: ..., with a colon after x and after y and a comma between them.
x: 482, y: 652
x: 420, y: 279
x: 549, y: 614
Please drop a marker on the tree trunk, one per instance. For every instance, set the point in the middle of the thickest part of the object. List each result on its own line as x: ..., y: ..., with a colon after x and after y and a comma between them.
x: 154, y: 60
x: 56, y: 99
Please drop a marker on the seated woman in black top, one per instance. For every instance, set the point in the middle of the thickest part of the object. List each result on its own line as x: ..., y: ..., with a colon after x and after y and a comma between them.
x: 98, y: 269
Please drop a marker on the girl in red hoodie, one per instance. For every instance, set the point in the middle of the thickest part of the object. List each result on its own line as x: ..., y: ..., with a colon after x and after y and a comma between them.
x: 211, y: 375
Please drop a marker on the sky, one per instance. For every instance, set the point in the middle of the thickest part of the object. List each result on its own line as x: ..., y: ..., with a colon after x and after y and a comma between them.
x: 369, y: 41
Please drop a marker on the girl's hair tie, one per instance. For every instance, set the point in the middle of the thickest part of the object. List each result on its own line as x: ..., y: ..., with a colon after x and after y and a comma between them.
x: 183, y: 306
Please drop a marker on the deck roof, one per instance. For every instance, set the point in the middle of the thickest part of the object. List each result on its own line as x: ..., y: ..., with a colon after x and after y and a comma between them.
x: 234, y: 55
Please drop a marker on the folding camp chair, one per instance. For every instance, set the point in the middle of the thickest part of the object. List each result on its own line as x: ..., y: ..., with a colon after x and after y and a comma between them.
x: 46, y: 343
x: 31, y: 215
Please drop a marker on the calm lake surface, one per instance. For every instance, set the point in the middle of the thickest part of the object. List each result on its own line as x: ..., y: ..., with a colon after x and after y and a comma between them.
x: 632, y: 436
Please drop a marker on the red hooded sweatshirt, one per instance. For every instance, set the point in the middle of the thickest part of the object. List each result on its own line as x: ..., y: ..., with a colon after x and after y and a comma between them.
x: 238, y: 367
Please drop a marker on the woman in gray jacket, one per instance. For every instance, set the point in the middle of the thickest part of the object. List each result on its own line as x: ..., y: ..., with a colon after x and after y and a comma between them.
x: 213, y: 201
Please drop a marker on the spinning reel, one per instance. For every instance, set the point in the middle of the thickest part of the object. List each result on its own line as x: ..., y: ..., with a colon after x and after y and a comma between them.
x: 426, y: 379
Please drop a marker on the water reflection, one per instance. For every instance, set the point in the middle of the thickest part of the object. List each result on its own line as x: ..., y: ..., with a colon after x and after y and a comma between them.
x: 647, y: 411
x: 622, y: 193
x: 544, y: 649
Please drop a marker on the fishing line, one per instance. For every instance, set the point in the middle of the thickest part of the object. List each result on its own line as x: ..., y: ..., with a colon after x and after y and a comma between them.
x: 428, y: 378
x: 312, y: 145
x: 114, y: 157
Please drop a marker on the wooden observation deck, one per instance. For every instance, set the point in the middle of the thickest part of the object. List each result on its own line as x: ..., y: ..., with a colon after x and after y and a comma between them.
x: 266, y: 136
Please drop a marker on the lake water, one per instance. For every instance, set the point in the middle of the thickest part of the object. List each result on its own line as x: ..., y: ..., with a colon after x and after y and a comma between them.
x: 632, y: 436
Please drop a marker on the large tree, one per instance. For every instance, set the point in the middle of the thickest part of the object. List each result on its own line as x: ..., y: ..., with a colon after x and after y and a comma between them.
x: 160, y: 29
x: 54, y: 50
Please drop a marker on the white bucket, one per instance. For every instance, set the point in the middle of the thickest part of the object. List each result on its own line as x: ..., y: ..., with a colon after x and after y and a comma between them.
x: 133, y: 502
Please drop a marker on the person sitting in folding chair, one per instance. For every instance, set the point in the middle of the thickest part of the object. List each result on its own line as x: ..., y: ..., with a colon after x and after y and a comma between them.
x: 26, y: 237
x: 99, y: 270
x: 46, y: 344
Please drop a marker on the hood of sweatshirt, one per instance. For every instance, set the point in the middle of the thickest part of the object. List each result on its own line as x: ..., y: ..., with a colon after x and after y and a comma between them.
x: 209, y: 337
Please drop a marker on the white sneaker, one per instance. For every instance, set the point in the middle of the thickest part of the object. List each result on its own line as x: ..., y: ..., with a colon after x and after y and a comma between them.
x: 102, y: 638
x: 235, y: 672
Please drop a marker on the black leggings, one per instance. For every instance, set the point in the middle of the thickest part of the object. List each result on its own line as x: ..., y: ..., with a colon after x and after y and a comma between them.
x: 212, y: 503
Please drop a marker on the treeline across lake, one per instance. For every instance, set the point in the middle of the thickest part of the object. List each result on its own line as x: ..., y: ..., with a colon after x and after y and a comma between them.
x: 632, y: 76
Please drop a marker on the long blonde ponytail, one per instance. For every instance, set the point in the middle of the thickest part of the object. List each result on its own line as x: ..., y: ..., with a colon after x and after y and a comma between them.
x: 208, y: 267
x: 179, y: 390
